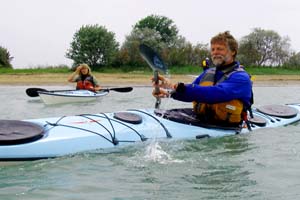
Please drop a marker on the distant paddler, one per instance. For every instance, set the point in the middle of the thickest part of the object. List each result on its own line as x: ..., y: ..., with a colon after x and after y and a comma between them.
x: 84, y: 78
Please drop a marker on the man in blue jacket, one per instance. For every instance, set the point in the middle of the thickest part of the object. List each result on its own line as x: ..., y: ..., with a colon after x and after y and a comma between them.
x: 221, y: 94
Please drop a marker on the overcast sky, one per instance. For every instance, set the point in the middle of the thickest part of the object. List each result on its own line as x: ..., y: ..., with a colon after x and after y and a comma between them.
x: 39, y: 32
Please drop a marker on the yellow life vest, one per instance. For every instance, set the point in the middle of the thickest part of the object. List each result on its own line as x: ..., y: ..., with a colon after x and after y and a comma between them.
x: 230, y: 111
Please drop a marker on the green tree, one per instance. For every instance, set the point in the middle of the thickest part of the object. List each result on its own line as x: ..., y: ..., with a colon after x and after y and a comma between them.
x: 165, y: 26
x: 293, y: 61
x: 5, y: 58
x: 181, y: 53
x: 93, y: 45
x: 161, y: 34
x: 129, y: 52
x: 185, y: 53
x: 264, y: 47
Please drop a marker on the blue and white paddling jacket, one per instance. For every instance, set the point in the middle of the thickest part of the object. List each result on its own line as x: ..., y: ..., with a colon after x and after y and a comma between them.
x: 231, y: 82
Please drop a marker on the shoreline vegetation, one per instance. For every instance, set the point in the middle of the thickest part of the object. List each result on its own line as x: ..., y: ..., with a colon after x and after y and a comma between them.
x: 57, y: 75
x: 130, y: 79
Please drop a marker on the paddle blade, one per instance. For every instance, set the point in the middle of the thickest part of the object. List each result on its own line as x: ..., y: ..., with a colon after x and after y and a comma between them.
x: 121, y: 89
x: 33, y: 92
x: 152, y: 58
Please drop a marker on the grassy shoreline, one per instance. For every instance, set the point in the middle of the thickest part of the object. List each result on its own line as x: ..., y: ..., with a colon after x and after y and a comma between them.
x: 119, y: 79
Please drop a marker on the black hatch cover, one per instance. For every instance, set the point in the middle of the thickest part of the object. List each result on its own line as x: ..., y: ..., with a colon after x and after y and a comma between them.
x: 17, y: 132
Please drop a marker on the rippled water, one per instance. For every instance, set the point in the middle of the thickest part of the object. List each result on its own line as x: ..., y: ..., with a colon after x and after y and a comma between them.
x: 262, y: 165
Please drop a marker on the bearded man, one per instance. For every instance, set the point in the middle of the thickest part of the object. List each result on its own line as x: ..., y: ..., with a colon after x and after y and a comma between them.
x: 221, y: 94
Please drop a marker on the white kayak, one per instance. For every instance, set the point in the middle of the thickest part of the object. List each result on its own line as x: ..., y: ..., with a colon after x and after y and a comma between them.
x: 60, y: 136
x: 70, y: 96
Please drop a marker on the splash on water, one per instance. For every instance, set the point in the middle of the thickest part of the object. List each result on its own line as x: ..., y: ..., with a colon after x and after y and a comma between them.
x: 155, y: 153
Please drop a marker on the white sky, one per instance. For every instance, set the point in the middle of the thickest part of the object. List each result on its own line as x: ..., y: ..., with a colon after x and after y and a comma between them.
x: 39, y: 32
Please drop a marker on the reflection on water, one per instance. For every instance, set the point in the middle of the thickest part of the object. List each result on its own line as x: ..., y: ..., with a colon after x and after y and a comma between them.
x: 262, y: 165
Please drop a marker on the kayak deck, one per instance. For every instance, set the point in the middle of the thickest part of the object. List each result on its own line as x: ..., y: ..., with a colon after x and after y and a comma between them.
x: 70, y: 96
x: 73, y: 134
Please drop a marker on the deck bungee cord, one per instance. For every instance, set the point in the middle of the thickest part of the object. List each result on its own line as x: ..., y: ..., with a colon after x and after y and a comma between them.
x: 112, y: 133
x: 161, y: 124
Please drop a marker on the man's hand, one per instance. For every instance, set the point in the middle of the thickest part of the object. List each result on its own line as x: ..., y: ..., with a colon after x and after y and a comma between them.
x: 163, y: 82
x: 162, y: 88
x: 162, y: 93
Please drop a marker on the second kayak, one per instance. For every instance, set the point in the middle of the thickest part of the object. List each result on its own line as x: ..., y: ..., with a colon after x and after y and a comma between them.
x: 70, y: 96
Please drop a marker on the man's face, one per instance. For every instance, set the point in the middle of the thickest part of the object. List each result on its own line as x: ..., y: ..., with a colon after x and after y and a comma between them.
x: 221, y: 54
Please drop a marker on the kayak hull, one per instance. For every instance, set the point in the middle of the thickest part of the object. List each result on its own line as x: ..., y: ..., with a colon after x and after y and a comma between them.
x: 70, y: 96
x: 73, y: 134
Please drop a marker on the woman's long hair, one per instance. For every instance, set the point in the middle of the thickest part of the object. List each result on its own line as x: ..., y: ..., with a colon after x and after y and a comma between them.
x: 83, y: 65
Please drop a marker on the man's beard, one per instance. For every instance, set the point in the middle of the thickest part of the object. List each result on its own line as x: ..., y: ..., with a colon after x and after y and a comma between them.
x: 219, y: 60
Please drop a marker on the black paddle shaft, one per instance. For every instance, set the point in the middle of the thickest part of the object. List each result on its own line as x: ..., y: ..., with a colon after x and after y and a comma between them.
x: 121, y: 89
x: 157, y: 91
